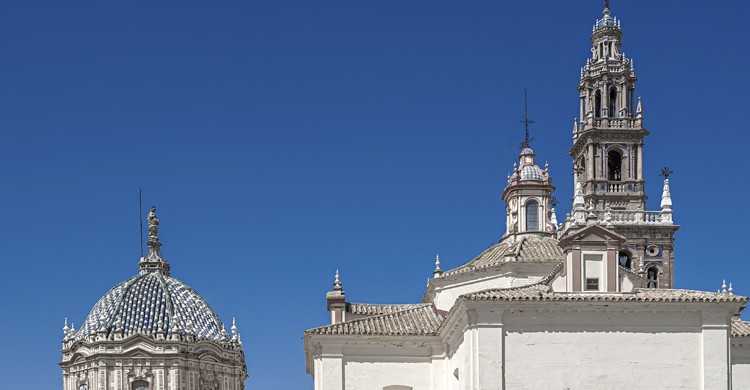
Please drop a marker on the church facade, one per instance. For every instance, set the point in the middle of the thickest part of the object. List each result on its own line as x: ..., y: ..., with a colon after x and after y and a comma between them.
x: 152, y: 332
x: 588, y: 303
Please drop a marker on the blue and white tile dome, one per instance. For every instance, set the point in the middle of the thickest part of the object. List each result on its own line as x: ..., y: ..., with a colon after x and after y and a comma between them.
x: 152, y: 303
x: 532, y: 172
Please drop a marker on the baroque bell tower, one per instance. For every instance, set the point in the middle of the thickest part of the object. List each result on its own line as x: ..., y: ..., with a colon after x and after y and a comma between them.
x: 607, y: 155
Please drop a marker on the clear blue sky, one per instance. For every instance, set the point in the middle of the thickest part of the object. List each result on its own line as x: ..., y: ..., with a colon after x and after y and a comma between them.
x: 281, y: 140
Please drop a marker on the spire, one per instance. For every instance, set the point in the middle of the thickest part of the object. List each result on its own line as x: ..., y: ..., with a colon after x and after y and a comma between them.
x: 553, y: 215
x: 666, y: 197
x: 639, y: 109
x: 336, y: 301
x: 337, y: 282
x: 579, y: 204
x: 234, y: 330
x: 153, y: 262
x: 437, y: 272
x: 526, y: 122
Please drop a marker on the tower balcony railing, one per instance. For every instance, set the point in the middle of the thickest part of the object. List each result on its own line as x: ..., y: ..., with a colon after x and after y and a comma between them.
x: 631, y: 217
x: 617, y: 187
x: 593, y: 122
x: 610, y: 217
x: 617, y: 123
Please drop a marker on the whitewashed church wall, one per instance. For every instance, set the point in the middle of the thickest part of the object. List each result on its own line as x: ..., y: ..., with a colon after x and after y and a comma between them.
x: 741, y: 366
x: 375, y: 373
x: 457, y: 367
x: 598, y: 359
x: 593, y: 351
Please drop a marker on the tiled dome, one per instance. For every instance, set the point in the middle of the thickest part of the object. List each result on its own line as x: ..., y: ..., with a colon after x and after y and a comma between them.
x: 532, y: 172
x: 149, y: 303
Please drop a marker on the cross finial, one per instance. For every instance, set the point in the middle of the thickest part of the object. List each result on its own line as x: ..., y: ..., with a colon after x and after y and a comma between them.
x: 554, y: 202
x: 665, y: 173
x: 526, y: 122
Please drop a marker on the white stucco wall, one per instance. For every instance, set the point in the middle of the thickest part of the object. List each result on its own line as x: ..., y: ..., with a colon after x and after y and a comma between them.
x: 741, y: 365
x: 375, y: 373
x: 589, y: 351
x: 597, y: 360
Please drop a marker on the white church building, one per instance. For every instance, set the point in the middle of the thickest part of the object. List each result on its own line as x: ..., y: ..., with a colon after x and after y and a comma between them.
x: 584, y: 304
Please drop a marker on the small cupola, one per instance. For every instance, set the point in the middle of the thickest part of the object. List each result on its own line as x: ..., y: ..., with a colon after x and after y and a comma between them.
x: 528, y: 197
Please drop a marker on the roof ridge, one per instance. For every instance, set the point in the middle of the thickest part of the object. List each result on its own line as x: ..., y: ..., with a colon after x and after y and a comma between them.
x: 389, y: 304
x: 381, y: 316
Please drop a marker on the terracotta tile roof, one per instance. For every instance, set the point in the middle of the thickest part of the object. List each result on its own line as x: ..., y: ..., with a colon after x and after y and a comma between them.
x: 541, y: 292
x: 525, y: 249
x: 740, y: 329
x: 422, y: 320
x: 373, y: 309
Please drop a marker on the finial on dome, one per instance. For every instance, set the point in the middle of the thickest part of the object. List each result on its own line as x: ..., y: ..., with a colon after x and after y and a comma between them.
x: 606, y: 7
x: 153, y: 243
x: 336, y: 282
x: 437, y: 272
x: 154, y: 261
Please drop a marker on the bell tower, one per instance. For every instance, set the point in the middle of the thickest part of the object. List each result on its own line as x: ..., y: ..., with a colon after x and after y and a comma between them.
x: 607, y: 155
x: 608, y: 140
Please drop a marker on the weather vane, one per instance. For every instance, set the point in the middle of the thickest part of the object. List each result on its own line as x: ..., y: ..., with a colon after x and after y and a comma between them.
x: 526, y: 122
x: 665, y: 172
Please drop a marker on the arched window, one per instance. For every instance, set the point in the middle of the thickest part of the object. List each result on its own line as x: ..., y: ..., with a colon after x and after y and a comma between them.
x: 623, y: 258
x: 598, y: 103
x: 652, y: 275
x: 613, y: 103
x: 614, y: 164
x: 139, y: 385
x: 532, y: 216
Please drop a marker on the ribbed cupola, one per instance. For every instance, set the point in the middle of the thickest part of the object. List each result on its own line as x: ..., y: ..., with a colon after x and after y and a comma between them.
x: 528, y: 197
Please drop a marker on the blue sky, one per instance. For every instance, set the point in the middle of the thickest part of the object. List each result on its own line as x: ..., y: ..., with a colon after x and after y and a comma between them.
x: 281, y: 140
